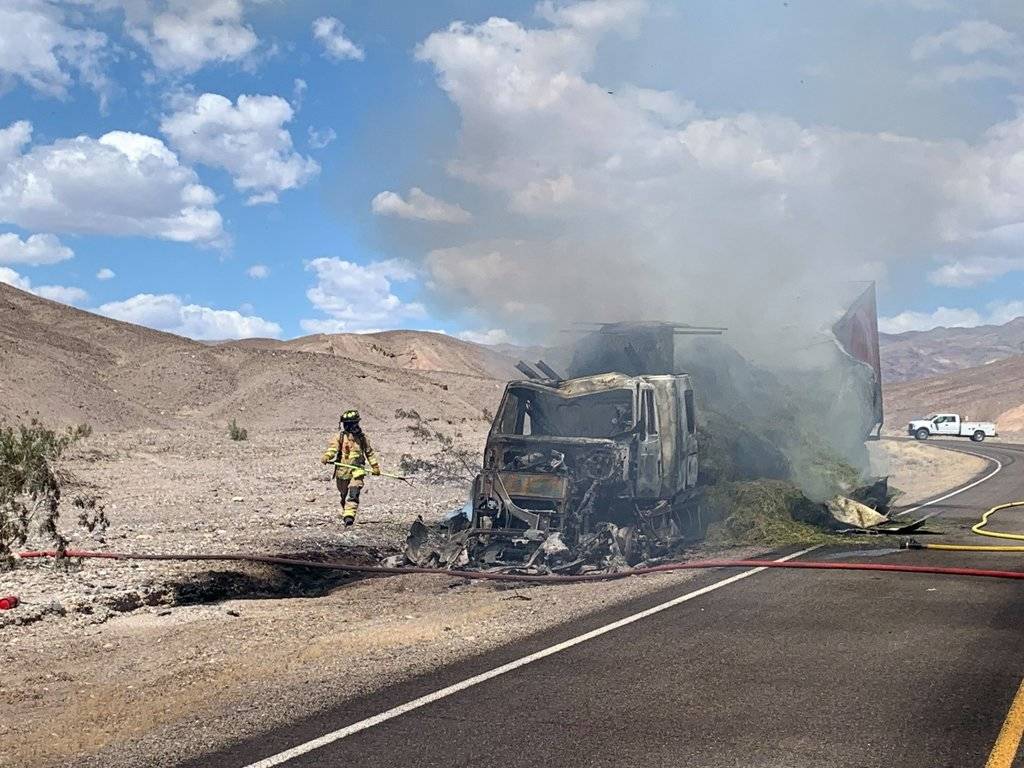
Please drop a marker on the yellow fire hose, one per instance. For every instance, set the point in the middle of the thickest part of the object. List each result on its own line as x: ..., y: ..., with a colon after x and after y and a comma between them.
x: 979, y: 528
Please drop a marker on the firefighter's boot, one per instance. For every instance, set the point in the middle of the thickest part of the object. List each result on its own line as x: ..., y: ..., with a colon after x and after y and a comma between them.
x: 348, y: 516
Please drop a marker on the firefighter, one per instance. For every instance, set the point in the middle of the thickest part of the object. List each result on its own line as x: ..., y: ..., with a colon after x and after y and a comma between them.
x: 350, y: 447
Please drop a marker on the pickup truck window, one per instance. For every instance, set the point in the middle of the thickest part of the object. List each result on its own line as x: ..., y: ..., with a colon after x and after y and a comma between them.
x: 528, y: 411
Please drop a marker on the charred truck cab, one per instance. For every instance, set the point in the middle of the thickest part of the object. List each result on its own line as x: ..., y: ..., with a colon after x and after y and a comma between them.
x: 567, y: 462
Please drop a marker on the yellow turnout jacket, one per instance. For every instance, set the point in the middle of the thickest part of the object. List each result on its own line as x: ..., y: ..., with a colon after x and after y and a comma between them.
x: 350, y: 449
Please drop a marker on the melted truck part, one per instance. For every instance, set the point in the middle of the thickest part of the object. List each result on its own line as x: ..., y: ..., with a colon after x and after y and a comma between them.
x: 602, y: 467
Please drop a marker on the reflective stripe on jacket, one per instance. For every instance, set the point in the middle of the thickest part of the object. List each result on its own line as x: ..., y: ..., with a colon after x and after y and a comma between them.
x: 353, y: 450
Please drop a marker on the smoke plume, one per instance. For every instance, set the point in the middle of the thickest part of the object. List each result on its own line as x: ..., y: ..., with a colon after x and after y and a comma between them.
x: 605, y: 201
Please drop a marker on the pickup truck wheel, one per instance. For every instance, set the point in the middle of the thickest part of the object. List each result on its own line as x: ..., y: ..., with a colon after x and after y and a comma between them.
x: 978, y: 436
x: 921, y: 434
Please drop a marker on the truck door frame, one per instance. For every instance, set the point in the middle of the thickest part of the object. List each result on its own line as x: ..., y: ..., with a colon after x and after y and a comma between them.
x: 648, y: 460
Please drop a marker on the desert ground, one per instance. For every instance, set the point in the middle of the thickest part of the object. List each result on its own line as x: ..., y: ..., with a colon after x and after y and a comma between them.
x: 141, y: 664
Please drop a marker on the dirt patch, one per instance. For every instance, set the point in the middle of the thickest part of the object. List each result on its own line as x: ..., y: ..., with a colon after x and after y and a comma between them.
x: 922, y: 471
x: 256, y: 581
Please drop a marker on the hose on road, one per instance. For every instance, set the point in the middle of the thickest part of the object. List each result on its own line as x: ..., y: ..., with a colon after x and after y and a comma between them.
x: 964, y: 547
x: 979, y: 528
x: 540, y: 578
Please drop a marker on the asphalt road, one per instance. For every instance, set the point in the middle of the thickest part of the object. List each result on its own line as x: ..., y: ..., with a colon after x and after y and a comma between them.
x: 782, y: 668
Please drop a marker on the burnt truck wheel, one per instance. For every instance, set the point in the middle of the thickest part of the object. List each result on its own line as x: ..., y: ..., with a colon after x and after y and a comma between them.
x: 978, y: 436
x: 921, y: 434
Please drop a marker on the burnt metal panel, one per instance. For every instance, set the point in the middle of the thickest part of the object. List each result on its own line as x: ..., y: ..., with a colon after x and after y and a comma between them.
x: 857, y: 334
x: 535, y: 485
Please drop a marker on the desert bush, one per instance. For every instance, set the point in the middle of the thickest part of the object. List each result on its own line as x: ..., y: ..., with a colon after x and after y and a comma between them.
x: 236, y: 432
x: 409, y: 464
x: 91, y: 514
x: 418, y: 429
x: 31, y: 482
x: 448, y: 463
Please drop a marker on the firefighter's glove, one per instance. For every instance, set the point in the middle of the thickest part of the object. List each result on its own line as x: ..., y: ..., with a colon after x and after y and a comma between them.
x: 375, y: 471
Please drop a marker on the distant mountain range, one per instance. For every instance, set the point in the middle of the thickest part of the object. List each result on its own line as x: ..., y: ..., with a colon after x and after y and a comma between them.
x: 978, y: 372
x: 66, y: 366
x: 921, y: 354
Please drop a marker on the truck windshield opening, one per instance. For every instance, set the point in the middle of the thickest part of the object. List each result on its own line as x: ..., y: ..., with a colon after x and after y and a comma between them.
x: 527, y: 411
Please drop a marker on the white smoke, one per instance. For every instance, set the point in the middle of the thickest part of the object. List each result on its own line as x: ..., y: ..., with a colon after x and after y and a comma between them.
x: 626, y: 203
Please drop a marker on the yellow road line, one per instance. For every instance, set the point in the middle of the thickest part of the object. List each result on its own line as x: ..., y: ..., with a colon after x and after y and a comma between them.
x: 1008, y: 741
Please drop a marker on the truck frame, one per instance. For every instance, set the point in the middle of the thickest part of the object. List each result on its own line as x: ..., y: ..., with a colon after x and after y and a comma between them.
x: 585, y: 456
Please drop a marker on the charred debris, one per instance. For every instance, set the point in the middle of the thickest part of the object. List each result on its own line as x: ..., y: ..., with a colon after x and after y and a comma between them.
x: 626, y: 461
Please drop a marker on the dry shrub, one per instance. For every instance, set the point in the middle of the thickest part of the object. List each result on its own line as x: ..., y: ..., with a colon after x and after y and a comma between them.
x: 31, y: 481
x: 236, y: 432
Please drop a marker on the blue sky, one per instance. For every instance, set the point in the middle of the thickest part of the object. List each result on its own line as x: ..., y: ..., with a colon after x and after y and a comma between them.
x: 260, y: 167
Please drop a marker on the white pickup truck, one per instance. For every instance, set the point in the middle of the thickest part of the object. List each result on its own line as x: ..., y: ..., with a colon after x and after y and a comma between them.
x: 951, y: 424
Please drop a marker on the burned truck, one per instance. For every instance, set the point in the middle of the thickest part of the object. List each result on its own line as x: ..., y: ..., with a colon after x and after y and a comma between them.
x: 606, y: 460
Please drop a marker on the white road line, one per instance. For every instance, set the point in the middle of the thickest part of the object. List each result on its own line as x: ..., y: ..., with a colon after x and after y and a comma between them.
x: 989, y: 476
x: 422, y: 701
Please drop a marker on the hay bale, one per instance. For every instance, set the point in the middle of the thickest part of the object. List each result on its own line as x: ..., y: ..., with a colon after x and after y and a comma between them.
x: 760, y: 512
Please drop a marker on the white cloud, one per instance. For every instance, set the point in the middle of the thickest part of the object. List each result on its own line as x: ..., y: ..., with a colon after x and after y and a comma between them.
x: 106, y: 274
x: 359, y: 297
x: 662, y: 105
x: 991, y: 53
x: 419, y: 205
x: 185, y: 35
x: 299, y: 88
x: 971, y: 72
x: 34, y: 250
x: 248, y: 139
x: 971, y: 271
x: 704, y: 210
x: 320, y: 139
x: 258, y: 271
x: 62, y: 293
x: 120, y: 184
x: 996, y: 313
x: 13, y: 138
x: 968, y: 38
x: 489, y: 337
x: 331, y: 34
x: 38, y: 48
x: 167, y: 312
x: 10, y: 277
x: 595, y: 15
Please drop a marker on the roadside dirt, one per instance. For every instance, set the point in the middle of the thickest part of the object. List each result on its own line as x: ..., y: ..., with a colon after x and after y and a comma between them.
x: 142, y: 664
x: 921, y: 471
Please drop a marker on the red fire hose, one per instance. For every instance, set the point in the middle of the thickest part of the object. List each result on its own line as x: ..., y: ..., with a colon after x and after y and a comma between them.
x: 690, y: 565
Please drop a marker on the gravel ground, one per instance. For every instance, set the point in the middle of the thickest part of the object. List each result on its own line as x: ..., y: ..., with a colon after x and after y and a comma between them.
x: 142, y: 664
x: 919, y: 470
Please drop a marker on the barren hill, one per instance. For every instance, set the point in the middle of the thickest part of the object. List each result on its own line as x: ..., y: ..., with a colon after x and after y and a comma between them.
x: 921, y: 354
x: 993, y: 392
x: 70, y: 366
x: 411, y: 350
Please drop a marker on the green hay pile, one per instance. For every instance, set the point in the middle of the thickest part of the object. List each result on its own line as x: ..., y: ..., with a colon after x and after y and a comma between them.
x: 731, y: 451
x: 759, y: 512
